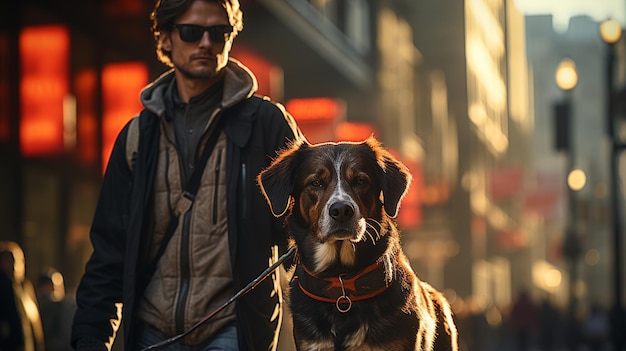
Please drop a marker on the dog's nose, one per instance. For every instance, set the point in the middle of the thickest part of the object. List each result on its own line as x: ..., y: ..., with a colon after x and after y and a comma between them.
x: 341, y: 211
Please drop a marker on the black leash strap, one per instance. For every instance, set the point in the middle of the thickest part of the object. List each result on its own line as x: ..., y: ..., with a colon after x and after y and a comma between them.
x: 240, y: 293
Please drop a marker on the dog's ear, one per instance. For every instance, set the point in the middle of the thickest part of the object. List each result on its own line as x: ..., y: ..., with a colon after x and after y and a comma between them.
x: 396, y: 183
x: 276, y: 181
x: 396, y: 178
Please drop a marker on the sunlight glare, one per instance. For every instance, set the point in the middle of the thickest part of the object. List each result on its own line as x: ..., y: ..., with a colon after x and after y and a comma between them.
x: 562, y: 11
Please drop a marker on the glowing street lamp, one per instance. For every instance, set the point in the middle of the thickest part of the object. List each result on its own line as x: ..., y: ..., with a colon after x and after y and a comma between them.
x: 576, y: 179
x: 566, y: 76
x: 611, y: 33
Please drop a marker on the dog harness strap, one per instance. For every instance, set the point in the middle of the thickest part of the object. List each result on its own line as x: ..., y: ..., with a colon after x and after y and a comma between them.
x: 352, y: 297
x: 316, y: 297
x: 340, y: 290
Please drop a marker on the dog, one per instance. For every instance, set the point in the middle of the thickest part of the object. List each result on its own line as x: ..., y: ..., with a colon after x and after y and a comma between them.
x: 352, y: 286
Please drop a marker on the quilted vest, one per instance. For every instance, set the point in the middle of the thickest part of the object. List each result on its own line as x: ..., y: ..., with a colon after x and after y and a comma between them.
x: 194, y: 275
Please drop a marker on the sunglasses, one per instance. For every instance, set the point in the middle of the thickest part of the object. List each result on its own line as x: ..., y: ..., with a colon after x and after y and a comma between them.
x: 192, y: 33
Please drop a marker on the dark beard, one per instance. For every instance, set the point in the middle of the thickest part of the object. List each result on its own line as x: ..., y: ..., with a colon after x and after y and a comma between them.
x: 202, y: 75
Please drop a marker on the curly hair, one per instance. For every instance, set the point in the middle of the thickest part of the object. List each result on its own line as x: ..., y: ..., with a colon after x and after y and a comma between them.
x: 166, y: 11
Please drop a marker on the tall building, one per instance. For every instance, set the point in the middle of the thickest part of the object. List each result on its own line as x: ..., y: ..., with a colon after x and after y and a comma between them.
x: 475, y: 125
x: 589, y: 150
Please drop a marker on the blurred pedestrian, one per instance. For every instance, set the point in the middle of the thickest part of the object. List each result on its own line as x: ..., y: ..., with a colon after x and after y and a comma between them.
x: 11, y: 334
x: 549, y: 324
x: 56, y: 311
x: 523, y: 321
x: 181, y: 226
x: 618, y: 326
x: 17, y: 299
x: 596, y: 328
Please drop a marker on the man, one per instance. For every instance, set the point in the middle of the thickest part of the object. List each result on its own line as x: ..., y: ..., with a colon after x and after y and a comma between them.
x: 169, y: 256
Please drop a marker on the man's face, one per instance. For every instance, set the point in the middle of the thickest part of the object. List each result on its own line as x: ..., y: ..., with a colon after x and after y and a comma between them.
x: 204, y: 58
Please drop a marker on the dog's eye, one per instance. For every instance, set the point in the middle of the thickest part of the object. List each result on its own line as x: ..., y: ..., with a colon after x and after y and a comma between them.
x: 361, y: 181
x: 316, y: 184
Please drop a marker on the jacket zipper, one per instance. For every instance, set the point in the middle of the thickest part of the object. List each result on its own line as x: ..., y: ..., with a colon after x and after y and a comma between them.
x: 244, y: 190
x: 216, y: 186
x: 179, y: 317
x: 184, y: 274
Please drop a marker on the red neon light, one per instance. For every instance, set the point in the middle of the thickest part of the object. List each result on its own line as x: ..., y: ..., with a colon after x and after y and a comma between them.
x: 315, y: 108
x: 44, y: 56
x: 123, y: 7
x: 5, y: 103
x: 355, y: 131
x: 87, y: 123
x: 121, y: 85
x: 269, y: 76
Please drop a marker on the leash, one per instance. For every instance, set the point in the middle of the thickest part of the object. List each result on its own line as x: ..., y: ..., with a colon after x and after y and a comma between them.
x: 239, y: 294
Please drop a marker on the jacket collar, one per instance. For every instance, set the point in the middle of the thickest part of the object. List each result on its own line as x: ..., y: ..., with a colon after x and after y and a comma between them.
x: 239, y: 84
x: 240, y: 119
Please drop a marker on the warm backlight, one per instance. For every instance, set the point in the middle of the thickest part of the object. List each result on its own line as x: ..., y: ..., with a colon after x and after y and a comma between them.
x: 121, y: 85
x: 44, y: 57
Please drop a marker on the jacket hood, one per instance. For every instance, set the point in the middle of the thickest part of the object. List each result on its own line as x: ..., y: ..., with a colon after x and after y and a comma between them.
x: 239, y: 84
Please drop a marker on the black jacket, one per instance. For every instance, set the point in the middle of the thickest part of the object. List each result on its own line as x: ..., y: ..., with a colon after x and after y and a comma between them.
x: 256, y: 130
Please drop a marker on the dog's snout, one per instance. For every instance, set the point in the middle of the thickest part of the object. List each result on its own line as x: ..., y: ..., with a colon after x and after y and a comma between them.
x: 341, y: 211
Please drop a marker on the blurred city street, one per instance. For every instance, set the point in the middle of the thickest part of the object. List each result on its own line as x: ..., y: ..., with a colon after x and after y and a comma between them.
x: 510, y: 115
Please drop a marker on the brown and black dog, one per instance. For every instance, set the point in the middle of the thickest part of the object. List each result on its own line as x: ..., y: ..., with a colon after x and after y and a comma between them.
x: 353, y: 288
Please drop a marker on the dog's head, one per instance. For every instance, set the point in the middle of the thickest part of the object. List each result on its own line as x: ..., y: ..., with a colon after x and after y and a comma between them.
x: 334, y: 188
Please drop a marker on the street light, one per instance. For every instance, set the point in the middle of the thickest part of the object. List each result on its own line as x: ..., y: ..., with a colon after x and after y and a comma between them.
x: 566, y: 76
x: 576, y: 179
x: 566, y: 79
x: 611, y: 32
